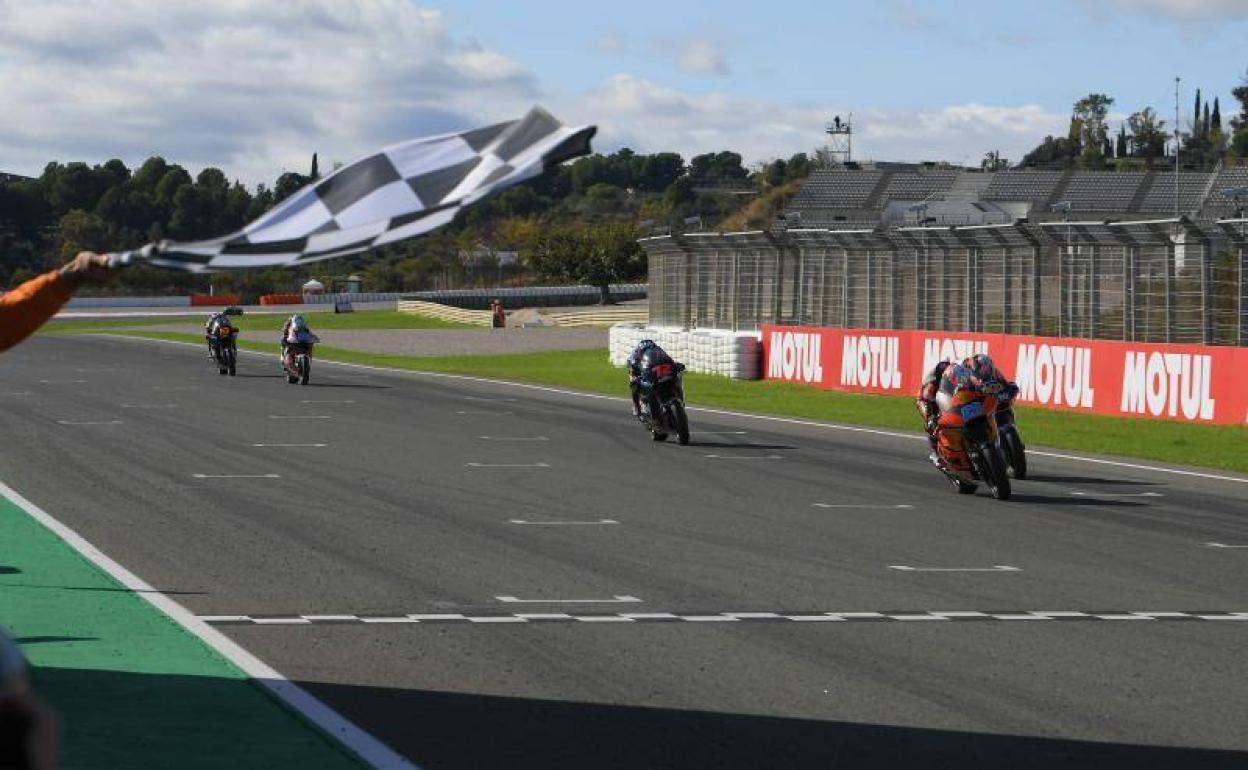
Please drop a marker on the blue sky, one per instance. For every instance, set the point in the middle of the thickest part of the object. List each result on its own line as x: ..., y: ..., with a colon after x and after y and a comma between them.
x: 254, y: 88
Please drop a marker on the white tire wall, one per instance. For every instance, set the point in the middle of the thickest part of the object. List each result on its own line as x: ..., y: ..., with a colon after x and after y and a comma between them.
x: 729, y: 354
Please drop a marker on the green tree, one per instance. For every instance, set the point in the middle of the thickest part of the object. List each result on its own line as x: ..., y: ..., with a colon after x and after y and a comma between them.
x: 1089, y: 116
x: 594, y: 255
x: 1148, y: 135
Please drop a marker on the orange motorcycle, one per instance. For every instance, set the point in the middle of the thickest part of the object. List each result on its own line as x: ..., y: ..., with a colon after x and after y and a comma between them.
x: 967, y: 439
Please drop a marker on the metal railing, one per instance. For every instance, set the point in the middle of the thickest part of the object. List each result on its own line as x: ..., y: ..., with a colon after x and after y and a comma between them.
x: 1171, y: 280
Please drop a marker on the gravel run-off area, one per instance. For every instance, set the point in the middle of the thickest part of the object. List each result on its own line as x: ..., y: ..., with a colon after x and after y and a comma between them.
x: 433, y: 342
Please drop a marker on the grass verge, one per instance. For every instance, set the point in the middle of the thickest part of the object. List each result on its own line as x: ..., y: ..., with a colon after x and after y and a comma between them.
x: 1210, y: 446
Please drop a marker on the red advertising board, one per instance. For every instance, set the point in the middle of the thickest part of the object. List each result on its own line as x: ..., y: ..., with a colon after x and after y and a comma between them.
x: 1194, y: 383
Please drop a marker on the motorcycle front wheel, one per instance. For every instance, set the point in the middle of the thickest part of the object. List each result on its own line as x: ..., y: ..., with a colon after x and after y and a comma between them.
x: 1015, y: 455
x: 305, y: 369
x: 682, y: 423
x: 994, y: 471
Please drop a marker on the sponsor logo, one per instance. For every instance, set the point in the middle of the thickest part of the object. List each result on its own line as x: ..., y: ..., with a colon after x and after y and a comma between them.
x: 937, y: 350
x: 795, y: 356
x: 870, y: 362
x: 1164, y: 383
x: 1055, y: 375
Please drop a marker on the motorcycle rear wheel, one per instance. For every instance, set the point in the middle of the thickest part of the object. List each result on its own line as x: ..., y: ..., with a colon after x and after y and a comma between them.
x: 658, y: 435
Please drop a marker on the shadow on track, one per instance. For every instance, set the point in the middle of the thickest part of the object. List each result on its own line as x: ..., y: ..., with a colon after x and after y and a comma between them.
x: 102, y: 589
x: 362, y: 386
x: 1075, y: 501
x: 51, y: 639
x: 1089, y: 480
x: 528, y: 733
x: 729, y: 445
x: 172, y: 720
x: 7, y: 570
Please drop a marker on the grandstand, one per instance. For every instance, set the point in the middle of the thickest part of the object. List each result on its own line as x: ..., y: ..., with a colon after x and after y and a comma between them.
x: 853, y: 196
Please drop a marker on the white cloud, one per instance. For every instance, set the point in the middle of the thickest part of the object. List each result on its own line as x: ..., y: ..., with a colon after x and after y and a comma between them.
x: 1183, y: 10
x: 252, y: 88
x: 255, y: 90
x: 648, y: 117
x: 702, y: 57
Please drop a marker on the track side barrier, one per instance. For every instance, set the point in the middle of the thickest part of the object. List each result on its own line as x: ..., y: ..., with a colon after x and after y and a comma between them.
x: 215, y: 300
x: 1192, y: 383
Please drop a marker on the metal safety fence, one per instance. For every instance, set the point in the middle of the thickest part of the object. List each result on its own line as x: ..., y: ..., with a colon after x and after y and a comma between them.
x: 1158, y: 281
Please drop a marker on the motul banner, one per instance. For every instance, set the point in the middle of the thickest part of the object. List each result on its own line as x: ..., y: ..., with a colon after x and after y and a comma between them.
x: 1196, y: 383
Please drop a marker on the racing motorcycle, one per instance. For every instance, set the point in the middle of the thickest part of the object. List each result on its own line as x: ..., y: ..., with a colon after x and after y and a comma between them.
x: 298, y: 360
x: 224, y: 348
x: 1011, y: 441
x: 968, y: 440
x: 663, y: 402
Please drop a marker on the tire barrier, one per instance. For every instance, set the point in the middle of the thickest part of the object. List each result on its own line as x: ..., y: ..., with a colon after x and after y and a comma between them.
x: 729, y: 354
x: 215, y: 300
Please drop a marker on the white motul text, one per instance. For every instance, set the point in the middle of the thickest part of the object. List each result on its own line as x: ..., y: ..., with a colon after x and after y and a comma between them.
x: 871, y: 362
x: 1055, y: 375
x: 1164, y: 383
x: 795, y: 356
x: 937, y: 350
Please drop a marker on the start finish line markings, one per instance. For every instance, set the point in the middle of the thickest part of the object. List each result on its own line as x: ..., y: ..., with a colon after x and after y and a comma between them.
x: 788, y: 616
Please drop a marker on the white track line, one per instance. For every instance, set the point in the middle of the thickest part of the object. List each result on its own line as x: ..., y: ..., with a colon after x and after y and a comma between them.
x: 1118, y: 494
x: 852, y: 505
x: 235, y: 476
x: 744, y: 457
x: 613, y: 600
x: 1224, y: 545
x: 514, y: 438
x: 709, y: 410
x: 88, y: 422
x: 300, y: 417
x: 997, y: 568
x: 507, y: 465
x: 561, y: 523
x: 290, y: 445
x: 368, y: 748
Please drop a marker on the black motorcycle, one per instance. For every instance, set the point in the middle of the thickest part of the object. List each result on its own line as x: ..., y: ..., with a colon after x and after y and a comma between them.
x: 662, y: 393
x: 224, y: 350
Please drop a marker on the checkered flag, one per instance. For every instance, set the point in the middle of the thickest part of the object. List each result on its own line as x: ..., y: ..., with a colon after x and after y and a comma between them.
x: 402, y: 191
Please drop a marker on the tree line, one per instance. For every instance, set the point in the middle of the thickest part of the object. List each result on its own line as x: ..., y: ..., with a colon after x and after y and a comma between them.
x: 1143, y: 139
x: 592, y: 205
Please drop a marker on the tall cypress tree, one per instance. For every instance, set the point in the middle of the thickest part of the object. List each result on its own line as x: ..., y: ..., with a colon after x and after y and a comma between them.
x: 316, y: 174
x: 1217, y: 116
x: 1196, y: 116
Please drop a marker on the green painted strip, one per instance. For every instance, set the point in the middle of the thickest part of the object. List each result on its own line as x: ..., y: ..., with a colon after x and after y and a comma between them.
x: 133, y: 689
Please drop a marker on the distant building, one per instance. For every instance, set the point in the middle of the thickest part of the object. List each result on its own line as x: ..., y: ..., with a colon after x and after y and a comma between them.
x: 6, y: 177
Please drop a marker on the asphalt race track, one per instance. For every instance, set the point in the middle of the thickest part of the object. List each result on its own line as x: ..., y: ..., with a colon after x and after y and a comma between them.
x: 491, y: 576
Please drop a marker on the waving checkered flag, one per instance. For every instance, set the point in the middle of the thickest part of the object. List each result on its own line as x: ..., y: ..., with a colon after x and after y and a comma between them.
x: 402, y: 191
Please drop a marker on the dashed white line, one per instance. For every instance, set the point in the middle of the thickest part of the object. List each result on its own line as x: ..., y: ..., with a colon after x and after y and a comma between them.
x: 62, y: 382
x: 898, y: 506
x: 88, y: 422
x: 300, y: 417
x: 235, y: 476
x: 613, y: 600
x: 317, y: 401
x: 291, y: 445
x: 1118, y: 494
x: 16, y: 393
x: 507, y: 465
x: 1224, y: 545
x: 515, y: 438
x: 149, y: 406
x: 744, y: 457
x: 996, y: 568
x: 561, y: 523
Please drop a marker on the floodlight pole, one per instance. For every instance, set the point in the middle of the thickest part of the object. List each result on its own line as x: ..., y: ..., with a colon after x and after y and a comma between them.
x: 1176, y: 148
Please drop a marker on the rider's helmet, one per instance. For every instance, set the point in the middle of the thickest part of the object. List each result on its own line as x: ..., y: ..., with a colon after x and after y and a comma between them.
x: 298, y: 323
x: 981, y: 366
x: 644, y: 344
x: 955, y: 376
